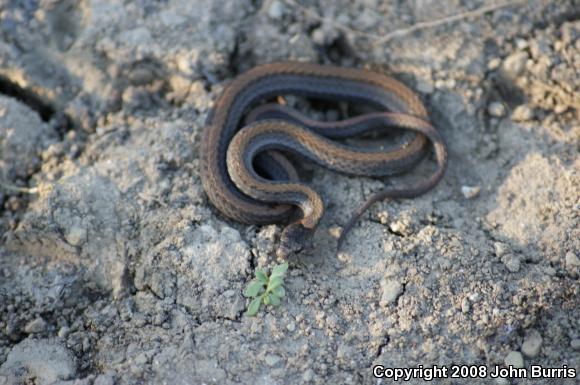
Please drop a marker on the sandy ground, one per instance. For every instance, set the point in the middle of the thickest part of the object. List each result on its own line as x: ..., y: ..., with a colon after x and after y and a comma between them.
x: 117, y: 270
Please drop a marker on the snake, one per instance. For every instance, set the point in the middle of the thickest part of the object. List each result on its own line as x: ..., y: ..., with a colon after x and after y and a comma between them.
x: 244, y: 167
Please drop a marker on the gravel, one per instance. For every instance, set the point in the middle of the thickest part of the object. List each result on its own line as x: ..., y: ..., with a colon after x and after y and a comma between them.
x: 532, y: 343
x: 119, y: 271
x: 514, y: 359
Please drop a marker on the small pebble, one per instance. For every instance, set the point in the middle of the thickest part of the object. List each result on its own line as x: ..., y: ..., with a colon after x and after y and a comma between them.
x: 383, y: 217
x: 465, y: 306
x: 141, y: 359
x: 515, y: 359
x: 291, y: 327
x: 532, y: 343
x: 496, y: 109
x: 501, y: 381
x: 514, y: 64
x: 272, y: 360
x: 319, y: 36
x: 276, y: 10
x: 104, y: 379
x: 141, y: 76
x: 500, y: 249
x: 470, y: 192
x: 512, y: 263
x: 560, y: 109
x: 401, y: 227
x: 572, y: 260
x: 391, y: 290
x: 37, y: 325
x: 521, y: 44
x: 229, y: 293
x: 575, y: 344
x: 76, y: 235
x: 64, y: 332
x: 494, y: 64
x: 522, y: 113
x: 335, y: 231
x: 425, y: 87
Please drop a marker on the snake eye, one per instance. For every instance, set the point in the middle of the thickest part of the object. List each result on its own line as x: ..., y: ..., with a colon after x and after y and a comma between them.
x: 294, y: 239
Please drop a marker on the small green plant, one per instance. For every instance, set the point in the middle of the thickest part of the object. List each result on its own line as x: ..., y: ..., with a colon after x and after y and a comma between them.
x: 267, y: 290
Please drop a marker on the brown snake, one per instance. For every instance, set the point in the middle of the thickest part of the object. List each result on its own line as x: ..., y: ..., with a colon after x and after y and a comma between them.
x: 247, y: 178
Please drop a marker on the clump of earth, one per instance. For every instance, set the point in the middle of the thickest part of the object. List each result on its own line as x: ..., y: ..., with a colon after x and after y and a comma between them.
x: 115, y: 268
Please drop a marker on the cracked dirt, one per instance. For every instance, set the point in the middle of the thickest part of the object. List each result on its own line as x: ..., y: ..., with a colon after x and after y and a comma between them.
x: 115, y: 269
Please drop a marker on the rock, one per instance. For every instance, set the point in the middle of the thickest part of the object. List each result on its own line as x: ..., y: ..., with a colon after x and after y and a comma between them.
x: 23, y: 137
x: 425, y: 87
x: 522, y: 113
x: 501, y: 381
x: 532, y: 343
x: 141, y: 76
x: 76, y: 235
x: 512, y: 263
x: 514, y: 64
x: 37, y: 325
x: 308, y: 375
x: 572, y: 260
x: 501, y: 249
x: 521, y: 44
x: 319, y: 36
x: 560, y: 108
x: 141, y: 359
x: 64, y: 332
x: 42, y: 361
x: 180, y: 87
x: 88, y: 208
x: 401, y: 226
x: 470, y: 192
x: 575, y: 344
x: 104, y: 379
x: 514, y: 359
x: 272, y: 360
x: 276, y: 9
x: 465, y: 306
x: 494, y: 63
x: 291, y: 327
x: 496, y: 109
x: 391, y: 290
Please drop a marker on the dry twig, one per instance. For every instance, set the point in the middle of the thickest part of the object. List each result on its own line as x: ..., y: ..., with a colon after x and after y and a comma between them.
x: 378, y: 39
x: 10, y: 188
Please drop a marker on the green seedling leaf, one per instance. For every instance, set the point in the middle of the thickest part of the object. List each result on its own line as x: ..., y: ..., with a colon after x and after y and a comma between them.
x: 262, y: 277
x: 254, y: 288
x: 279, y: 292
x: 274, y: 283
x: 274, y: 300
x: 254, y: 306
x: 267, y: 290
x: 266, y: 299
x: 279, y: 271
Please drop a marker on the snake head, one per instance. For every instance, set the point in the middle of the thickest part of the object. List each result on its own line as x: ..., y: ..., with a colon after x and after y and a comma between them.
x: 295, y: 238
